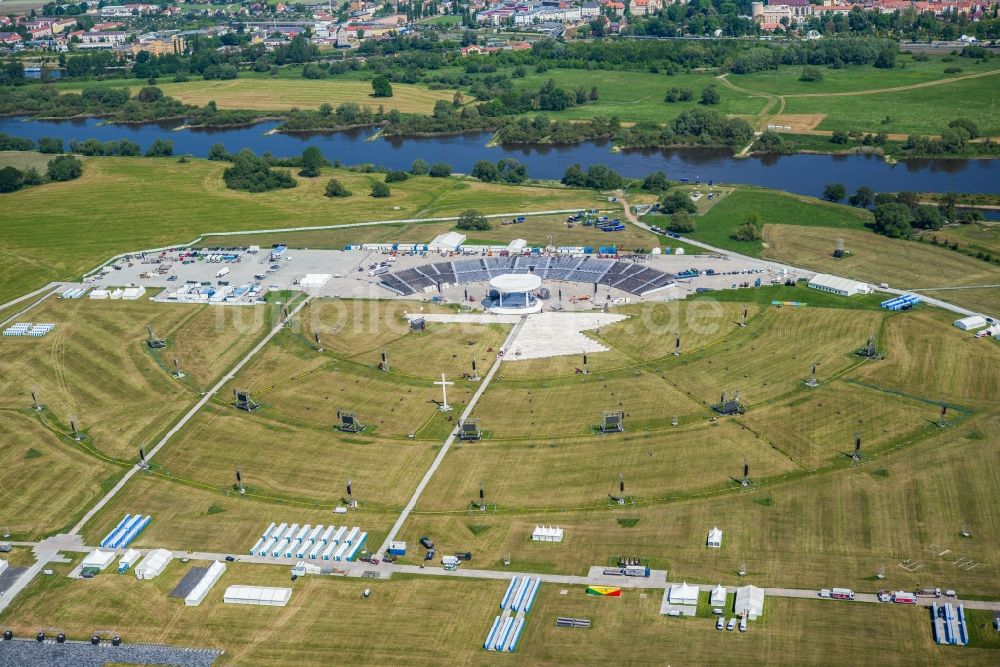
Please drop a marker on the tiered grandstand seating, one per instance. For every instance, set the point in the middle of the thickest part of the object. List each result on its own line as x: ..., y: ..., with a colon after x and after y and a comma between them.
x: 626, y: 276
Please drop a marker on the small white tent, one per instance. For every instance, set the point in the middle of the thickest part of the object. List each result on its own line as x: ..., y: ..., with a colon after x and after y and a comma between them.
x: 718, y: 598
x: 683, y: 593
x: 749, y: 601
x: 714, y: 538
x: 547, y: 534
x: 153, y: 564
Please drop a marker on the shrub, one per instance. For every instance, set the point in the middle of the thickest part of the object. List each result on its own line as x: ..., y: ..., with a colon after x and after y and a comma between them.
x: 380, y: 190
x: 335, y: 188
x: 472, y: 220
x: 396, y: 176
x: 681, y: 223
x: 811, y: 74
x: 253, y: 174
x: 440, y: 170
x: 64, y: 168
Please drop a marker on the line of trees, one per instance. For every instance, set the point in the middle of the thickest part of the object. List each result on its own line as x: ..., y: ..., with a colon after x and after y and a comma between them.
x: 60, y: 168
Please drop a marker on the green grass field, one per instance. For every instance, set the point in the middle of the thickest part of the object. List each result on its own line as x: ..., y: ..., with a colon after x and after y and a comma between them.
x: 24, y: 160
x: 638, y: 96
x: 78, y: 224
x: 925, y: 110
x: 288, y: 92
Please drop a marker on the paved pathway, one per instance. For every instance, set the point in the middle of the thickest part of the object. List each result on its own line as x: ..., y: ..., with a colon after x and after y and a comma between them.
x: 447, y: 445
x: 47, y: 291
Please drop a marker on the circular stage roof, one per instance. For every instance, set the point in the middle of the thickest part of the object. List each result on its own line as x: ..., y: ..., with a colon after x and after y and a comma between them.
x: 516, y: 282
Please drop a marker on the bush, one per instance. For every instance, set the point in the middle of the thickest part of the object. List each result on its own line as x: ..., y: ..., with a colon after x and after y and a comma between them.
x: 839, y: 137
x: 335, y: 188
x: 11, y: 179
x: 834, y: 192
x: 219, y: 153
x: 160, y: 148
x: 419, y: 168
x: 396, y: 176
x: 221, y: 72
x: 472, y: 220
x: 380, y: 190
x: 677, y: 201
x: 963, y: 123
x: 710, y: 95
x: 811, y: 74
x: 656, y: 182
x: 681, y: 223
x: 893, y: 220
x: 253, y: 174
x: 50, y: 145
x: 952, y: 70
x: 440, y: 170
x: 64, y: 168
x: 312, y: 162
x: 748, y: 231
x: 679, y: 95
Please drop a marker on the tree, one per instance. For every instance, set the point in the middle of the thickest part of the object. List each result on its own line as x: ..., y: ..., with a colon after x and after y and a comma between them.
x: 486, y: 171
x: 769, y: 141
x: 679, y: 95
x: 600, y: 177
x: 419, y: 168
x: 677, y: 201
x: 160, y: 148
x: 748, y: 231
x: 839, y: 137
x: 472, y: 220
x: 834, y: 192
x: 967, y: 125
x: 574, y: 177
x: 893, y: 220
x: 927, y: 217
x: 149, y: 95
x: 64, y: 168
x: 811, y: 74
x: 335, y: 188
x: 381, y: 86
x: 656, y: 182
x: 50, y: 145
x: 11, y: 179
x: 380, y: 190
x: 254, y: 174
x: 593, y: 94
x: 312, y: 162
x: 218, y: 153
x: 440, y: 170
x: 681, y: 223
x: 512, y: 171
x: 396, y: 176
x: 863, y: 198
x: 710, y: 95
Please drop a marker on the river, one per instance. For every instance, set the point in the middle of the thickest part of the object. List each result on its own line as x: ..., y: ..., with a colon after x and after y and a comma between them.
x: 802, y: 174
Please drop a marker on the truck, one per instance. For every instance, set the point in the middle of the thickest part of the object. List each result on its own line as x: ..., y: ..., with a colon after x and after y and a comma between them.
x: 842, y: 594
x: 221, y: 272
x: 928, y: 592
x: 5, y: 547
x: 636, y: 571
x: 902, y: 597
x: 450, y: 563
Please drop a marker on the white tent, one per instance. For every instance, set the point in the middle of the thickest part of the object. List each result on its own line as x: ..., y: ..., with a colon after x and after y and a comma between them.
x: 3, y: 565
x: 449, y: 242
x: 314, y: 280
x: 204, y: 585
x: 133, y: 293
x: 837, y: 285
x: 547, y: 534
x: 257, y: 595
x: 971, y: 323
x: 99, y: 559
x: 153, y: 564
x: 130, y: 558
x: 683, y: 593
x: 718, y: 598
x: 516, y: 246
x: 749, y: 601
x: 714, y: 538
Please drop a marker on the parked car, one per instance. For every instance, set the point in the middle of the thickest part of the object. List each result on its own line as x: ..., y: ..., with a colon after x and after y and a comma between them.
x: 426, y: 542
x: 731, y: 625
x: 720, y: 624
x: 743, y: 624
x: 429, y: 555
x: 230, y: 559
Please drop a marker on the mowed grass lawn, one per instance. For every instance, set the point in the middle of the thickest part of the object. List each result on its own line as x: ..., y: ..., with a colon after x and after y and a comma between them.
x: 435, y: 620
x: 908, y: 72
x: 809, y: 530
x: 282, y: 94
x: 24, y: 160
x: 925, y: 110
x: 639, y: 96
x: 59, y: 230
x: 875, y: 258
x: 549, y: 474
x: 44, y: 481
x: 769, y: 207
x: 95, y: 366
